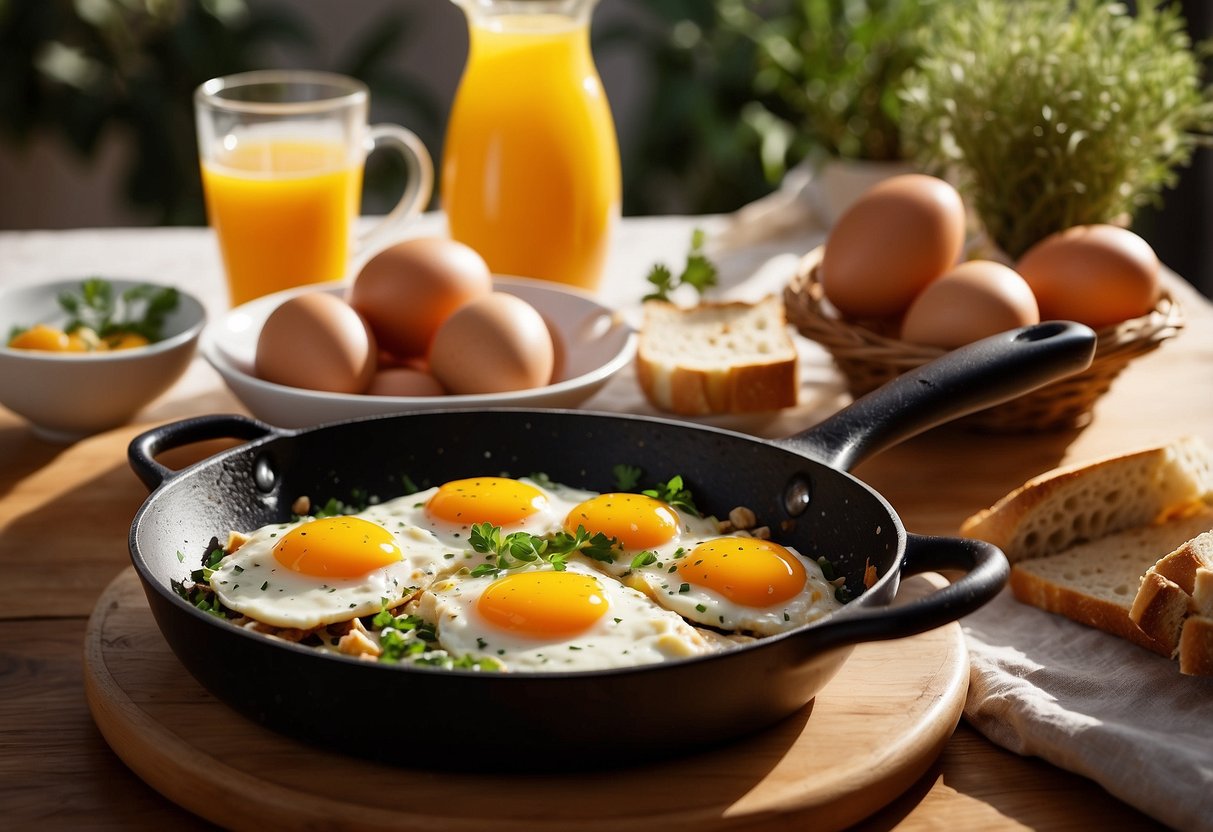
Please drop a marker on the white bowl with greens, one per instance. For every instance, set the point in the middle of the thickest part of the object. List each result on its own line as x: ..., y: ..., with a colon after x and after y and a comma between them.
x: 68, y: 393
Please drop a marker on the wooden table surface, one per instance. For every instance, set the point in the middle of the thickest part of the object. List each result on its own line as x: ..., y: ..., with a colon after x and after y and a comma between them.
x: 65, y: 512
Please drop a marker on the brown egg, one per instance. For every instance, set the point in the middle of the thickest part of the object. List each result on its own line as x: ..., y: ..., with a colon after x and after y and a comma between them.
x: 968, y: 303
x: 404, y: 381
x: 406, y: 291
x: 895, y: 239
x: 493, y: 344
x: 1098, y: 275
x: 318, y: 342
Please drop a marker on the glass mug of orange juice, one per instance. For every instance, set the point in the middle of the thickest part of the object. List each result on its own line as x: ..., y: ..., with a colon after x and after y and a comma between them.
x: 530, y: 174
x: 282, y: 154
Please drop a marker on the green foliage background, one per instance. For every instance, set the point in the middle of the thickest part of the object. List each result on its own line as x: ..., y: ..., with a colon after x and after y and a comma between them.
x: 728, y: 112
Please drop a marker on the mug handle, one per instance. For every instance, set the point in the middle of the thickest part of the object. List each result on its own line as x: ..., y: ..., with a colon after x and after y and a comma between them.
x: 419, y: 185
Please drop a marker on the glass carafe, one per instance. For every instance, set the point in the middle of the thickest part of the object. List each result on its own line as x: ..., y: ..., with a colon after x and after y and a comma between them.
x: 530, y: 172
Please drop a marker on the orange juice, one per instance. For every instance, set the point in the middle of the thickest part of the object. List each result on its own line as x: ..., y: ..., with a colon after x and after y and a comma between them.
x: 283, y: 210
x: 530, y: 174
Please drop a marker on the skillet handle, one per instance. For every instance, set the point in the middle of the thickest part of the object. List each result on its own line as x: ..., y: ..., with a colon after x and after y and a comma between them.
x: 143, y: 449
x: 970, y: 378
x: 986, y: 569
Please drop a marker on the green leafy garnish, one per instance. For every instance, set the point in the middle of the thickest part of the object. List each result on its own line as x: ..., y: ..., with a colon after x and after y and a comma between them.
x: 140, y: 309
x: 699, y: 273
x: 520, y: 548
x: 675, y: 493
x: 597, y: 546
x: 200, y: 596
x: 644, y: 559
x: 210, y: 561
x: 465, y: 662
x: 827, y: 568
x: 359, y: 500
x: 627, y: 477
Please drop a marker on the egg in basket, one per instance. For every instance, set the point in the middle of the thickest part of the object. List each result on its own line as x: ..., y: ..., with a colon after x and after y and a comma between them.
x: 897, y: 285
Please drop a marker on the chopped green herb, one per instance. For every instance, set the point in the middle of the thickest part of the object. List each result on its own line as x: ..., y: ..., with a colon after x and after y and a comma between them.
x: 627, y: 477
x: 140, y: 309
x: 827, y: 569
x: 675, y: 493
x: 699, y: 273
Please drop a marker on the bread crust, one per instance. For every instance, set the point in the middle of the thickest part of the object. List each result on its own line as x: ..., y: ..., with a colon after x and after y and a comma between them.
x: 1085, y: 501
x: 1159, y: 610
x: 1196, y: 647
x: 1038, y: 591
x: 1181, y: 565
x: 720, y: 383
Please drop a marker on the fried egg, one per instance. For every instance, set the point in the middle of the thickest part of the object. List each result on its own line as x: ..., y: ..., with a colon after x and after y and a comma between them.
x: 639, y: 524
x: 737, y: 583
x: 449, y: 511
x: 320, y: 571
x: 539, y: 618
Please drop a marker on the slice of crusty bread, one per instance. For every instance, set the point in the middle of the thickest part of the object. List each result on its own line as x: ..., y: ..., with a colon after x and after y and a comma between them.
x: 1087, y: 501
x: 1196, y: 646
x: 729, y: 357
x: 1096, y: 582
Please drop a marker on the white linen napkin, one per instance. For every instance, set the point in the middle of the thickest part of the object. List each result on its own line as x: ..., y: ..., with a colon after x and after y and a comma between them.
x: 1094, y: 704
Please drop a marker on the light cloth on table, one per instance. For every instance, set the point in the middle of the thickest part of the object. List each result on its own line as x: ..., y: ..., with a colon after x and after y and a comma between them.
x: 1094, y: 704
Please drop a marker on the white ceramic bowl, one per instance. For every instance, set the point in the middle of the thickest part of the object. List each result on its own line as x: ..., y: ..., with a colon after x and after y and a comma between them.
x: 66, y: 396
x: 592, y: 344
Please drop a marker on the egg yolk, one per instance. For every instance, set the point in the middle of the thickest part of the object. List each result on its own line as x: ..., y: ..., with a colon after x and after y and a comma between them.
x: 41, y: 337
x: 337, y: 547
x: 543, y: 605
x: 495, y: 500
x: 749, y: 571
x: 636, y: 521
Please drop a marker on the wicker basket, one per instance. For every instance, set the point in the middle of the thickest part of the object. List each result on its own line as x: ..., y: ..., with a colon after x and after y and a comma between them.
x: 869, y: 357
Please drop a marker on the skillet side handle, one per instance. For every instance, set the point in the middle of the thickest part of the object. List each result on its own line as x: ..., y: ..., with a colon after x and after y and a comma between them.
x: 963, y: 381
x: 986, y: 569
x: 146, y: 446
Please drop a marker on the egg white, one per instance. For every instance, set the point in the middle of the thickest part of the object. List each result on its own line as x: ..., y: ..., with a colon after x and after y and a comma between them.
x: 661, y: 582
x: 633, y: 631
x: 410, y: 511
x: 252, y: 582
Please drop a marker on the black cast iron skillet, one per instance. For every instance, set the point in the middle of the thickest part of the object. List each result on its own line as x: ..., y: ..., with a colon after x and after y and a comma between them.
x: 538, y: 721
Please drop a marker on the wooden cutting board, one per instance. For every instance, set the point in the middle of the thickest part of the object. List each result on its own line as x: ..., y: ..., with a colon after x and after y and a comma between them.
x: 874, y: 730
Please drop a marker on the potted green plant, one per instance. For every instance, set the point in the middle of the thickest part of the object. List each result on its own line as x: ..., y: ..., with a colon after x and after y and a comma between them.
x: 1052, y: 115
x: 830, y: 73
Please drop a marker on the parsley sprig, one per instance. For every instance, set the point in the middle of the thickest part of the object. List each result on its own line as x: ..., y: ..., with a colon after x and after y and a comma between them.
x: 141, y: 309
x: 627, y: 477
x: 699, y: 272
x: 517, y: 549
x: 672, y: 491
